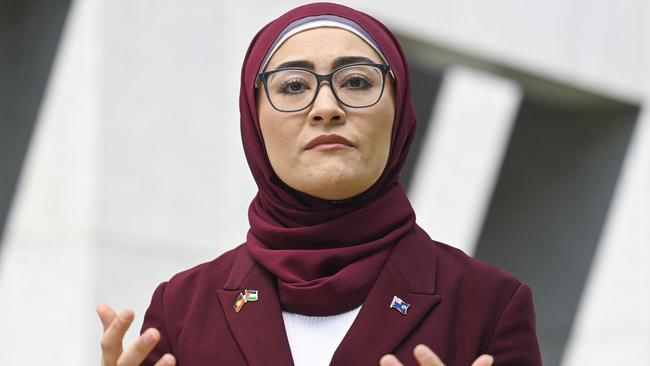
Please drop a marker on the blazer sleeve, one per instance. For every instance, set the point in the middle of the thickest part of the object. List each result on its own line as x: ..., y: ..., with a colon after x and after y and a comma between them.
x: 514, y: 341
x: 155, y: 318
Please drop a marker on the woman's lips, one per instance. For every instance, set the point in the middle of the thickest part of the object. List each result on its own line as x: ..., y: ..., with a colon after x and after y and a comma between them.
x: 328, y: 143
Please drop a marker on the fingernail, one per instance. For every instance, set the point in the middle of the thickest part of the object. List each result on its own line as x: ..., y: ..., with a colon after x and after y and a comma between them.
x: 125, y: 315
x: 387, y: 360
x: 421, y: 350
x: 149, y: 336
x: 167, y: 359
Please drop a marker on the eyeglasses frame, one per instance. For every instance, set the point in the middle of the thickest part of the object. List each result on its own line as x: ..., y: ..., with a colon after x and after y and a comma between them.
x: 263, y: 78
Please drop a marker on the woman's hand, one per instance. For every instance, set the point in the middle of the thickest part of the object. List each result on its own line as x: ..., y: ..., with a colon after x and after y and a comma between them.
x: 114, y: 328
x: 425, y: 357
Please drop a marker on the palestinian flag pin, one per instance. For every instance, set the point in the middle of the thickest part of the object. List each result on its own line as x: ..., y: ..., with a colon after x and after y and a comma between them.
x: 250, y: 295
x: 244, y: 297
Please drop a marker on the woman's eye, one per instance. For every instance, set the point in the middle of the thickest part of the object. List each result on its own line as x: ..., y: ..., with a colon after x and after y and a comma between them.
x: 292, y: 87
x: 356, y: 82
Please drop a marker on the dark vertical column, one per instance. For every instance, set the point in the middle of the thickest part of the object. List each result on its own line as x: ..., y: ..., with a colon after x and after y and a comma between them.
x: 550, y: 204
x: 426, y: 84
x: 29, y: 37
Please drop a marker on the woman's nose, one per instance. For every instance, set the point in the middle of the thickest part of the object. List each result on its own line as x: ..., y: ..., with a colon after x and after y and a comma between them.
x: 326, y: 108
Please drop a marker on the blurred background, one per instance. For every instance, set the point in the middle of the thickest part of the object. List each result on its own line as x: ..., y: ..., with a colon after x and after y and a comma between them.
x: 121, y: 160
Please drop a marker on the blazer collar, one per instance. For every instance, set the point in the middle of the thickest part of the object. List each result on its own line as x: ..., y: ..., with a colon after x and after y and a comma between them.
x: 258, y: 327
x: 410, y: 273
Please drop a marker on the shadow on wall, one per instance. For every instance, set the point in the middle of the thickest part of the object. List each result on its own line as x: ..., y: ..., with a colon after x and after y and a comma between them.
x: 555, y: 186
x: 29, y: 37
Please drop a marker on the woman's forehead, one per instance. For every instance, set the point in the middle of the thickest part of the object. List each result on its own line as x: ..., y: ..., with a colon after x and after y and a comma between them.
x: 325, y: 48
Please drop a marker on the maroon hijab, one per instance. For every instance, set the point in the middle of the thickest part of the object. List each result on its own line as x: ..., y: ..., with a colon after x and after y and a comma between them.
x: 325, y: 254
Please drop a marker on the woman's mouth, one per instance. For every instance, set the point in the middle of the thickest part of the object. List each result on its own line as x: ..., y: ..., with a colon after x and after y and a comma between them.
x: 328, y: 143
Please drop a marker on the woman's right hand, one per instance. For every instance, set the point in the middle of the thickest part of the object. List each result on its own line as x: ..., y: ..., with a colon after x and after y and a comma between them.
x: 114, y: 328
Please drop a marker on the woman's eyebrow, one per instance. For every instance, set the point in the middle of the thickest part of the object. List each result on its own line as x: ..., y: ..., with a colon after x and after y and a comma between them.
x: 297, y: 63
x: 347, y: 60
x: 338, y: 62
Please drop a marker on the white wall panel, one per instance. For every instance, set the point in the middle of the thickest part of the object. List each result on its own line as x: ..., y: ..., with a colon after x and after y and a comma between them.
x: 47, y: 276
x: 590, y: 44
x: 174, y: 185
x: 460, y: 161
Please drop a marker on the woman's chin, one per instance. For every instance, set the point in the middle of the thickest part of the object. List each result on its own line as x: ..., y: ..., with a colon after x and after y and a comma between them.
x: 332, y: 195
x: 333, y: 180
x: 335, y: 190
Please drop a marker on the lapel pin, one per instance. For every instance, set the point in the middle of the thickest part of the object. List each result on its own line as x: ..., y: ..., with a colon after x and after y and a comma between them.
x: 243, y: 298
x: 250, y: 295
x: 239, y: 303
x: 400, y: 305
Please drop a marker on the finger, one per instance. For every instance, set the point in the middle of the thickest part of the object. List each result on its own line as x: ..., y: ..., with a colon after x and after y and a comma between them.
x: 139, y: 350
x: 484, y: 360
x: 166, y: 360
x: 112, y: 339
x: 425, y: 356
x: 389, y: 360
x: 106, y: 315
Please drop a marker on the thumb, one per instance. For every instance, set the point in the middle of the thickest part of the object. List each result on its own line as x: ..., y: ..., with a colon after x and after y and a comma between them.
x: 484, y: 360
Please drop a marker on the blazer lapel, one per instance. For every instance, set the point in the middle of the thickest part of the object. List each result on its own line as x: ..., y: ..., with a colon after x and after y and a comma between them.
x: 410, y: 274
x: 258, y: 327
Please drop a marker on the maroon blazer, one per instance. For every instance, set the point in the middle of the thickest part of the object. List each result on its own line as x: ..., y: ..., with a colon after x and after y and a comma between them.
x: 460, y: 307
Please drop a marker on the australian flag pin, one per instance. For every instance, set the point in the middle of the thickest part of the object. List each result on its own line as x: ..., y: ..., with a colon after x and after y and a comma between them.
x: 400, y: 305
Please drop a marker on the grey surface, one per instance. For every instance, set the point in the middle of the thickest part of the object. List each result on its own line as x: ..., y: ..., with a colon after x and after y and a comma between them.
x: 29, y: 36
x: 550, y: 204
x: 426, y: 85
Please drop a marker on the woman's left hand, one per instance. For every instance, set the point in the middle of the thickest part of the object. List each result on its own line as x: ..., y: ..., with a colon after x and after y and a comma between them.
x: 425, y: 357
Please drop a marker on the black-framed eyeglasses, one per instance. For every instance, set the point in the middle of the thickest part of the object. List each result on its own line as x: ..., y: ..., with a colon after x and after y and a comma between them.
x: 295, y: 89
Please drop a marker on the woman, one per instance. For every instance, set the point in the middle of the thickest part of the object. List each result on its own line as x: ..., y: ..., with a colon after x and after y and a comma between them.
x: 334, y: 268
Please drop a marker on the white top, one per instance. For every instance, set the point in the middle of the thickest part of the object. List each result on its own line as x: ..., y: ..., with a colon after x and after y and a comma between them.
x: 313, y: 339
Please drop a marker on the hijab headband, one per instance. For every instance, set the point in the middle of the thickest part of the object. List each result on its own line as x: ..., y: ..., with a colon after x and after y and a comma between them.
x: 317, y: 22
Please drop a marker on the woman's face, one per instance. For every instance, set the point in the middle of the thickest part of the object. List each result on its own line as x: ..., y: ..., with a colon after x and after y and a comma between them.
x: 327, y: 171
